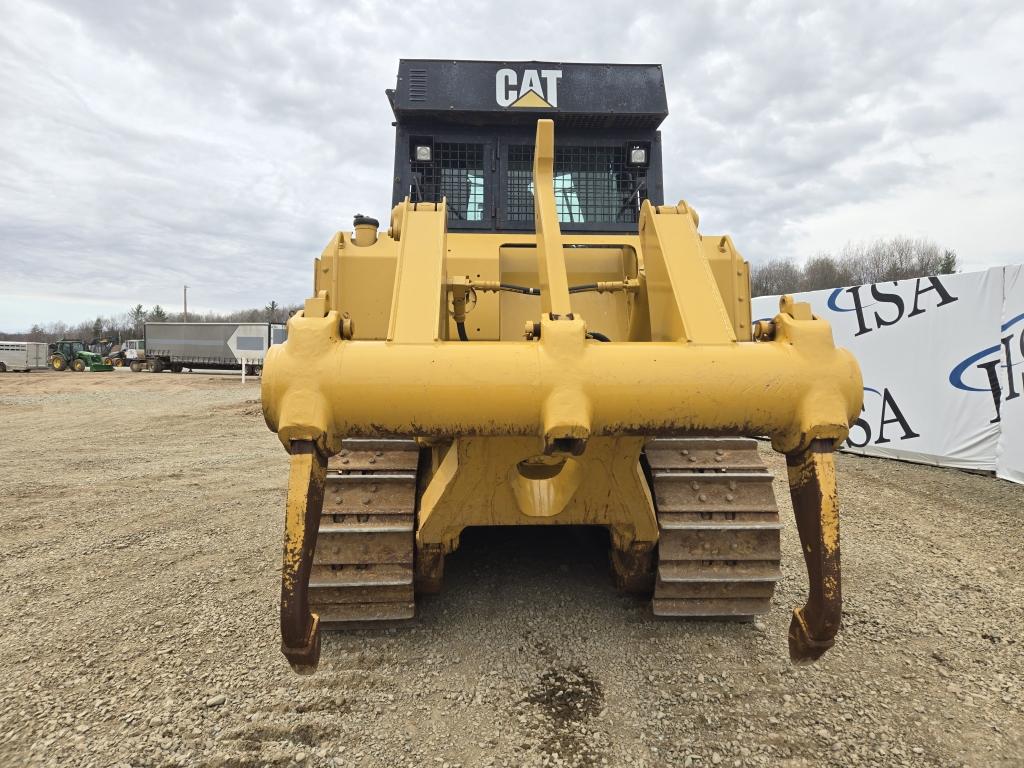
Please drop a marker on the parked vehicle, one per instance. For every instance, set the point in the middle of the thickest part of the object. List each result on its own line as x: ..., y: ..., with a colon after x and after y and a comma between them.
x: 22, y: 355
x: 205, y: 346
x: 72, y: 354
x: 129, y: 352
x: 103, y: 348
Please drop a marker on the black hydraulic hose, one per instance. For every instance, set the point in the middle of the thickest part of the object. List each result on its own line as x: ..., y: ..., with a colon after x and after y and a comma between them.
x: 520, y: 289
x: 512, y: 288
x: 595, y: 335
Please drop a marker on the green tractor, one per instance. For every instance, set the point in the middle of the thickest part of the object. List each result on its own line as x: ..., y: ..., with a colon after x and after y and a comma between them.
x: 72, y: 354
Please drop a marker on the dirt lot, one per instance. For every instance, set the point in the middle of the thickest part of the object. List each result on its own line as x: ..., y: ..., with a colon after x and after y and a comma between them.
x: 141, y: 518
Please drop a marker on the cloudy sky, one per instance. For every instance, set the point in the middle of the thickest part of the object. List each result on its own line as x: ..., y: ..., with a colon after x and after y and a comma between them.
x: 146, y: 145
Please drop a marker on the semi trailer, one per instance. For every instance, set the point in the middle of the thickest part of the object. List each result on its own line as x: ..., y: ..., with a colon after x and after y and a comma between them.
x: 206, y: 346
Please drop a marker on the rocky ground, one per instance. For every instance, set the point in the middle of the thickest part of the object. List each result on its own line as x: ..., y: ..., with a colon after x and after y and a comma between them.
x: 141, y: 517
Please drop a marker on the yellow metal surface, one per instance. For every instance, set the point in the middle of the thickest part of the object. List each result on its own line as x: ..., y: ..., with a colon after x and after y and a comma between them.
x: 684, y: 299
x: 509, y: 481
x: 360, y: 281
x: 552, y: 275
x: 732, y: 276
x: 794, y: 389
x: 585, y: 262
x: 485, y: 320
x: 418, y: 307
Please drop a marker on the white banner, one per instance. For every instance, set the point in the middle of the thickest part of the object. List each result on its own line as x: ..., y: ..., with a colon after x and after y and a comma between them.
x: 1010, y: 448
x: 937, y: 373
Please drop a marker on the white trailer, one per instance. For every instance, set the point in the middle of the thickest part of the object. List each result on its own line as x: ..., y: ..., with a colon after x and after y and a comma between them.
x: 23, y: 355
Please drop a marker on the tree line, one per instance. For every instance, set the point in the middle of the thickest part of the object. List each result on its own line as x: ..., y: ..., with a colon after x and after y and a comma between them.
x: 856, y: 264
x: 130, y: 324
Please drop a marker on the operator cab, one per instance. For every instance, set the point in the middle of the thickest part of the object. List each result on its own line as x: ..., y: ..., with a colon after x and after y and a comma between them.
x: 465, y: 132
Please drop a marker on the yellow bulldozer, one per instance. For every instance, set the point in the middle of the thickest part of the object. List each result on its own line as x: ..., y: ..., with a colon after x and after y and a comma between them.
x: 537, y: 339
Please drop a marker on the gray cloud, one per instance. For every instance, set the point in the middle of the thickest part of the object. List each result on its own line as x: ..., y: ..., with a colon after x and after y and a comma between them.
x: 148, y: 145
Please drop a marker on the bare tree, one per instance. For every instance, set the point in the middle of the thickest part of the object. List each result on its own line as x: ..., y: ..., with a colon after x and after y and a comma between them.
x: 774, y: 276
x: 823, y: 271
x: 898, y: 258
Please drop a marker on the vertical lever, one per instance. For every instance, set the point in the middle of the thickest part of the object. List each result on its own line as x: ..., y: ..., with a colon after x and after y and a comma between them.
x: 812, y: 486
x: 300, y: 629
x: 554, y: 282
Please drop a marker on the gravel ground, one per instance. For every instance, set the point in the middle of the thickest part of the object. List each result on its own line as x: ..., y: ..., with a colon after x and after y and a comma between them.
x: 141, y: 518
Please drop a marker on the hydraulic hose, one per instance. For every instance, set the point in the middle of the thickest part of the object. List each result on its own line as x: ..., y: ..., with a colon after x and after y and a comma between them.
x: 463, y: 336
x: 511, y: 287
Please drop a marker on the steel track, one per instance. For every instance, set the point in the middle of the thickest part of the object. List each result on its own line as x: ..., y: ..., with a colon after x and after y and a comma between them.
x: 718, y: 548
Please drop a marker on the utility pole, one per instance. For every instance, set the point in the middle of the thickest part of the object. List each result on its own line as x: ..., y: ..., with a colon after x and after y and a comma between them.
x: 185, y: 313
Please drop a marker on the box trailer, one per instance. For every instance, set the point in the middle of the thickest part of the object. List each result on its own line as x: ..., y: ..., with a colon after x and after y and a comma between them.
x: 23, y: 355
x: 210, y: 346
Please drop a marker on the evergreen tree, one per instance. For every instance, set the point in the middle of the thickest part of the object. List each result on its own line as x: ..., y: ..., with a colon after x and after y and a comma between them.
x: 137, y: 316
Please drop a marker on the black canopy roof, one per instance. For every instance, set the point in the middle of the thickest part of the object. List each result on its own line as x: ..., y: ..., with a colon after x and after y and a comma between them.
x: 519, y: 92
